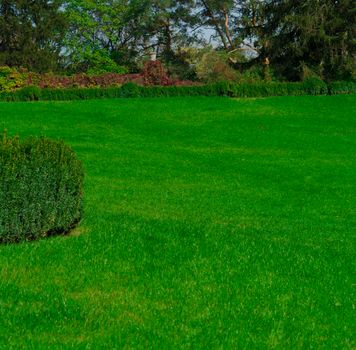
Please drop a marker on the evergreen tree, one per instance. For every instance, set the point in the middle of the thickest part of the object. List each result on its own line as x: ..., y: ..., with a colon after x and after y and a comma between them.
x: 31, y: 33
x: 317, y: 36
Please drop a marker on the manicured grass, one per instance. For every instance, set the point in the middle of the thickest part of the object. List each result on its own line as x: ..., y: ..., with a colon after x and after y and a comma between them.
x: 209, y: 223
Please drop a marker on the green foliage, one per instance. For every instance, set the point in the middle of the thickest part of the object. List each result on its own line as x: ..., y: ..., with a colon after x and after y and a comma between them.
x: 179, y: 69
x: 295, y: 40
x: 5, y: 71
x: 315, y: 86
x: 222, y: 16
x: 307, y: 72
x: 342, y: 87
x: 318, y: 34
x: 12, y: 78
x: 129, y: 90
x: 312, y: 86
x: 31, y: 33
x: 125, y: 30
x: 252, y: 75
x: 213, y: 66
x: 102, y: 31
x: 28, y: 93
x: 41, y: 189
x: 98, y: 63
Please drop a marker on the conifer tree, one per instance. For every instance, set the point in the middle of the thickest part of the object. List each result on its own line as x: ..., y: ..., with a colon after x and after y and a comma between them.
x: 31, y: 33
x: 318, y: 35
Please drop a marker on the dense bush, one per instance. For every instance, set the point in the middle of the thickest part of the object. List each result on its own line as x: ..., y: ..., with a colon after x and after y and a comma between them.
x: 41, y: 188
x: 214, y: 66
x: 99, y: 63
x: 154, y: 73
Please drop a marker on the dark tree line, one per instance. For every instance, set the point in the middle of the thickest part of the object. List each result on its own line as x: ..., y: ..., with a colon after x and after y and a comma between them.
x: 31, y: 33
x: 292, y: 38
x: 318, y: 34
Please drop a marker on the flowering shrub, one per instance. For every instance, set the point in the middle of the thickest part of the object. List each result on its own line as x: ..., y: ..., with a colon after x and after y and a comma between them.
x: 154, y: 73
x: 49, y: 80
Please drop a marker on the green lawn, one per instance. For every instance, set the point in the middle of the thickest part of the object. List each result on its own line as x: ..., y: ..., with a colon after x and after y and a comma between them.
x: 210, y: 223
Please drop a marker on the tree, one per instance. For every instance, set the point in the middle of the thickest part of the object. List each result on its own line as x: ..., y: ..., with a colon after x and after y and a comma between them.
x: 169, y: 25
x: 314, y: 34
x: 31, y: 33
x: 237, y: 25
x: 252, y: 25
x: 221, y: 16
x: 124, y: 30
x: 102, y: 31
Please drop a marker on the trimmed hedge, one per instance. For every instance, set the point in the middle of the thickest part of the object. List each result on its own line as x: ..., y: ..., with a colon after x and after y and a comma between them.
x: 309, y: 87
x: 41, y: 188
x: 342, y: 87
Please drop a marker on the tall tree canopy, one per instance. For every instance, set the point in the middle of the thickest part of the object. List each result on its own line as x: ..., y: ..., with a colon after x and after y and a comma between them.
x: 31, y: 33
x: 123, y: 30
x: 221, y: 17
x: 105, y: 30
x: 170, y: 23
x: 319, y: 34
x: 291, y: 36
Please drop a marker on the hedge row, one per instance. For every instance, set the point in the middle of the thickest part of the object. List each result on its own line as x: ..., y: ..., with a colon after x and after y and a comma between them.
x: 309, y: 87
x: 342, y: 87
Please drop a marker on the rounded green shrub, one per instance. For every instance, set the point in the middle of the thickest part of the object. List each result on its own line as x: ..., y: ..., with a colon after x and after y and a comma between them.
x: 41, y: 188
